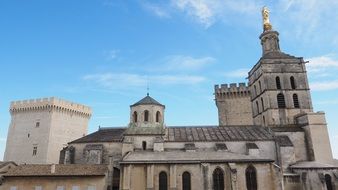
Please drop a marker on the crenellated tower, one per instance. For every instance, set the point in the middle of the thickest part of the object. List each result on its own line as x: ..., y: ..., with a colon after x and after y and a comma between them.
x: 233, y: 103
x: 40, y: 128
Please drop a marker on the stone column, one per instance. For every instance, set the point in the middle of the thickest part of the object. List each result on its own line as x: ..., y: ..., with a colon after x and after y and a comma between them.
x: 172, y: 177
x: 126, y: 177
x: 150, y: 177
x: 233, y: 170
x: 205, y: 172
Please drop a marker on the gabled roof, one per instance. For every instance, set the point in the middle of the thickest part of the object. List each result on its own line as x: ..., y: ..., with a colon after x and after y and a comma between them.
x: 59, y: 170
x: 147, y: 101
x: 103, y: 135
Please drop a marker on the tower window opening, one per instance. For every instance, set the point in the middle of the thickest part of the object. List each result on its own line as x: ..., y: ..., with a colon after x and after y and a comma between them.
x: 144, y: 145
x: 328, y: 182
x: 263, y: 121
x: 158, y: 116
x: 260, y: 86
x: 255, y: 90
x: 135, y: 116
x: 35, y: 150
x: 257, y: 106
x: 295, y: 101
x: 262, y: 104
x: 292, y: 82
x: 281, y: 101
x: 37, y: 124
x: 278, y: 83
x: 146, y: 115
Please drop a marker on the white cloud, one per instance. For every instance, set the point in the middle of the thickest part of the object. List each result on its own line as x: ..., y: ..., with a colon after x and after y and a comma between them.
x: 324, y: 85
x: 123, y: 80
x: 322, y: 64
x: 157, y: 10
x: 207, y: 12
x: 239, y: 73
x: 185, y: 63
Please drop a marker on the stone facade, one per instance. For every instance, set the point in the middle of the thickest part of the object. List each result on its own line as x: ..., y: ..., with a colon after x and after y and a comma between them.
x: 40, y: 128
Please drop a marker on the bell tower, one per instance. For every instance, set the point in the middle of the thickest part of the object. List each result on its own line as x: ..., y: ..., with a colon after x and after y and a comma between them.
x: 278, y: 82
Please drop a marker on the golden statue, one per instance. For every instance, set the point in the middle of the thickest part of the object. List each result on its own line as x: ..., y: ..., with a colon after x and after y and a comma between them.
x: 266, y: 22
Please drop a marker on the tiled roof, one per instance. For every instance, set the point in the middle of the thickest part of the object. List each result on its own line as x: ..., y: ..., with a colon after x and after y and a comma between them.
x: 60, y: 170
x: 284, y: 141
x: 215, y: 133
x: 312, y: 164
x: 103, y: 135
x: 147, y: 101
x: 190, y: 157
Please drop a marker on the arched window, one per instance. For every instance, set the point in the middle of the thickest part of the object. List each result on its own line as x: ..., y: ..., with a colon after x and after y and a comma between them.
x: 135, y: 116
x: 292, y: 82
x: 186, y: 181
x: 328, y: 182
x: 163, y: 181
x: 158, y: 116
x: 262, y: 104
x: 218, y: 179
x: 146, y: 115
x: 144, y: 145
x: 278, y: 83
x: 251, y: 178
x: 281, y: 100
x: 295, y: 101
x: 257, y: 107
x: 260, y: 86
x: 116, y: 179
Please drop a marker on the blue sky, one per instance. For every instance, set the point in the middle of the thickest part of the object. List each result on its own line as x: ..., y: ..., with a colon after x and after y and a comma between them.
x: 103, y: 53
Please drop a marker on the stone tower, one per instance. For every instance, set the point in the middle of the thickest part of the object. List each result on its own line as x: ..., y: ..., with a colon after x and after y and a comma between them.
x: 278, y: 83
x: 233, y: 103
x: 40, y: 128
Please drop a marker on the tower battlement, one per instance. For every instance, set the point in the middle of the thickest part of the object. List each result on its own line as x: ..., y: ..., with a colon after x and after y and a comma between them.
x: 232, y: 89
x: 49, y: 103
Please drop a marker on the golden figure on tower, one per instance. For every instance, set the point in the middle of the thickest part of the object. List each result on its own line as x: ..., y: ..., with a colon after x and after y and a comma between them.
x: 266, y: 22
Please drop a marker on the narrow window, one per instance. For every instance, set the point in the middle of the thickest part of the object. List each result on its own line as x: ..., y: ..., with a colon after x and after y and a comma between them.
x: 295, y: 101
x: 257, y: 107
x: 146, y: 116
x: 263, y: 121
x: 278, y: 83
x: 186, y: 181
x: 281, y: 101
x: 218, y: 179
x: 260, y: 86
x: 116, y: 179
x: 37, y: 124
x: 251, y: 178
x: 255, y: 90
x: 158, y: 116
x: 292, y: 82
x: 135, y: 116
x: 328, y: 182
x: 262, y: 104
x: 35, y: 150
x: 163, y: 181
x: 144, y: 145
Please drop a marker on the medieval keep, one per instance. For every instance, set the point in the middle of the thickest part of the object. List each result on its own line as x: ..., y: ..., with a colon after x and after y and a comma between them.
x: 268, y: 137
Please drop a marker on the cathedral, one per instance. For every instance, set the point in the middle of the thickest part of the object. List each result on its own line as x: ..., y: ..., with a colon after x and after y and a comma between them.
x: 268, y: 137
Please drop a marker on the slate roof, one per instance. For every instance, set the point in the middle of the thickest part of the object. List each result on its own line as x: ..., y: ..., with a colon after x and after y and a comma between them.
x: 189, y: 157
x: 103, y: 135
x: 147, y: 101
x: 284, y: 141
x: 215, y: 133
x: 313, y: 165
x: 60, y: 170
